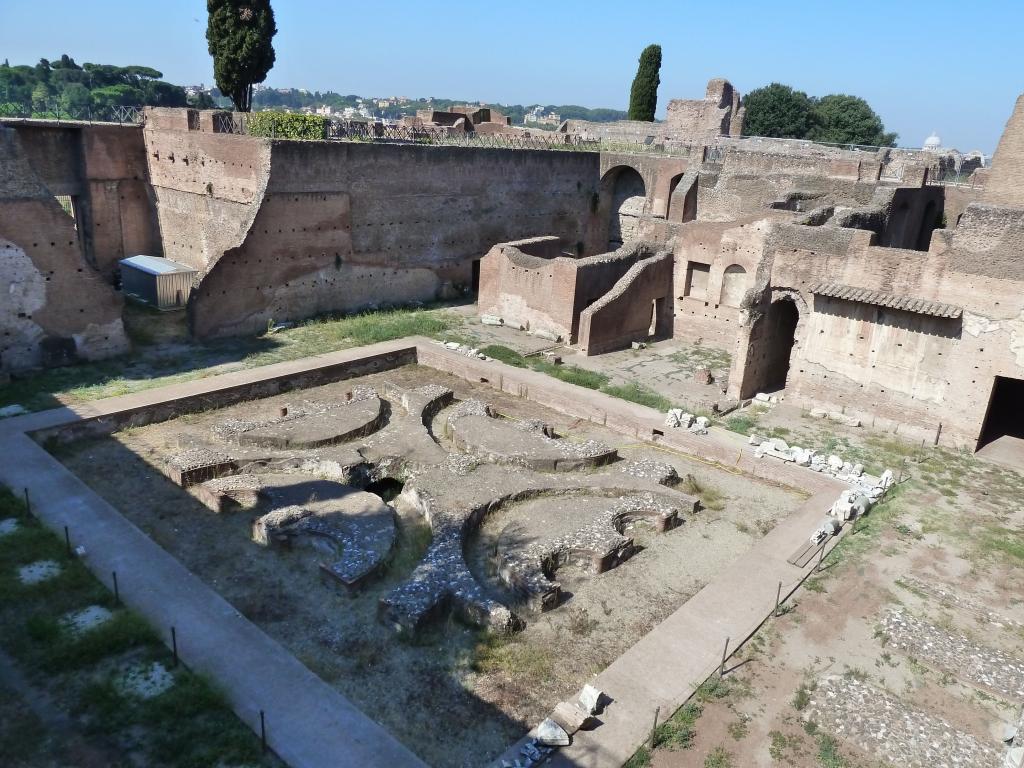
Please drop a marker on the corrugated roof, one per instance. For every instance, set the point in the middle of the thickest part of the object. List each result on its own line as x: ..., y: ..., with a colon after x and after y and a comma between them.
x: 878, y: 298
x: 155, y: 265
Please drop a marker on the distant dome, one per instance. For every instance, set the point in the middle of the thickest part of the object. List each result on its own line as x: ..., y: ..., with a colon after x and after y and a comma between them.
x: 933, y: 142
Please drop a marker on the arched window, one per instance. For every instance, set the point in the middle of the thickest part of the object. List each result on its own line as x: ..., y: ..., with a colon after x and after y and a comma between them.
x: 734, y: 285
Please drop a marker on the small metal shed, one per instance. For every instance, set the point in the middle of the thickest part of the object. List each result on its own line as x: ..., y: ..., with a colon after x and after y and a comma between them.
x: 158, y: 281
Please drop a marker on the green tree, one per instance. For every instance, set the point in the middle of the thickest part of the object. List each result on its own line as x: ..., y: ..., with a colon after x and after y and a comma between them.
x: 643, y: 96
x: 40, y: 97
x: 75, y: 99
x: 779, y: 111
x: 843, y: 119
x: 239, y: 34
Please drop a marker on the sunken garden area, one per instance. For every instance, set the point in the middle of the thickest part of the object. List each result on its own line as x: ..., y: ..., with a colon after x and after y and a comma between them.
x: 454, y: 559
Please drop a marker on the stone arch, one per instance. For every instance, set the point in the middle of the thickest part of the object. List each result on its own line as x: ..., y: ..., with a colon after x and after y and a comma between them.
x: 734, y: 285
x: 770, y: 343
x: 627, y: 194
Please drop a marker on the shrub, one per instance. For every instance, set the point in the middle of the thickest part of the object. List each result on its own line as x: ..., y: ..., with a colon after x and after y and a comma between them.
x: 288, y: 125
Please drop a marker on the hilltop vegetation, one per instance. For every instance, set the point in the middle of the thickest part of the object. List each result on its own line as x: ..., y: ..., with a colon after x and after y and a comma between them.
x: 66, y: 87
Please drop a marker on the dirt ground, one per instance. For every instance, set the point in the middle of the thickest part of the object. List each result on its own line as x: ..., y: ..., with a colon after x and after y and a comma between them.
x: 455, y: 695
x: 947, y: 551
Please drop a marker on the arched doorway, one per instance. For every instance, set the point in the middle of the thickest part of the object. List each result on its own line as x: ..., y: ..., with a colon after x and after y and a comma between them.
x: 776, y: 339
x: 628, y: 196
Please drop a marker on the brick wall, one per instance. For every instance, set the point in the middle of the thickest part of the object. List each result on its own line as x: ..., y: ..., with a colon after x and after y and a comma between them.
x: 1005, y: 183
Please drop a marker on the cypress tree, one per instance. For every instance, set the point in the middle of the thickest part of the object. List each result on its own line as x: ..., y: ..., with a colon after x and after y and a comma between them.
x: 239, y: 36
x: 643, y: 96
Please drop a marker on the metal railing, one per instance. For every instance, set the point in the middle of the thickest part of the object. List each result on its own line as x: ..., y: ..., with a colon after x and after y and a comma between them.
x: 953, y: 179
x: 443, y: 136
x: 52, y: 111
x: 231, y: 122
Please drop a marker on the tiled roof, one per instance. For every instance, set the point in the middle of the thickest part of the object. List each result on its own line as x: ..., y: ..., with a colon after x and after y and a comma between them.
x: 878, y: 298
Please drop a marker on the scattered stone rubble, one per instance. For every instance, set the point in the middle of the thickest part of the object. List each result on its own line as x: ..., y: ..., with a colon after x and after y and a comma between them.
x: 558, y: 728
x: 38, y: 572
x: 462, y: 349
x: 852, y: 503
x: 677, y: 417
x: 146, y: 681
x: 599, y: 546
x: 896, y: 734
x: 957, y: 654
x: 81, y: 621
x: 957, y: 600
x: 833, y: 465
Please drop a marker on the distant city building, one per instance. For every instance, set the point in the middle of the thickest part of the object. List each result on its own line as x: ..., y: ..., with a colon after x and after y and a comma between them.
x: 933, y: 143
x: 536, y: 116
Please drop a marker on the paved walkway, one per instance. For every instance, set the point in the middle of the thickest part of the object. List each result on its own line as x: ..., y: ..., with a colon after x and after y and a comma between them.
x: 309, y: 724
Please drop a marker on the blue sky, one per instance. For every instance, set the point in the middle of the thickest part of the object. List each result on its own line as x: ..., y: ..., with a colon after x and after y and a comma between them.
x: 944, y: 65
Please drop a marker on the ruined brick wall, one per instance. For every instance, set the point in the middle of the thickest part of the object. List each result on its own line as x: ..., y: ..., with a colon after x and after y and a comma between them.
x: 529, y: 284
x: 56, y: 307
x: 1005, y: 183
x: 640, y: 299
x: 208, y: 188
x: 284, y: 230
x: 548, y: 291
x: 748, y: 182
x: 925, y: 376
x: 122, y: 208
x: 989, y: 241
x: 717, y: 114
x: 103, y: 169
x: 726, y: 256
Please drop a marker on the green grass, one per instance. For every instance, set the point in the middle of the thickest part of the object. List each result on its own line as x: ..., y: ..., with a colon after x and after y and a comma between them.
x: 640, y: 759
x: 161, y: 356
x: 802, y: 698
x: 188, y: 726
x: 710, y: 496
x: 719, y: 757
x: 572, y: 374
x: 517, y: 659
x: 635, y: 392
x: 828, y: 753
x: 1002, y: 543
x: 745, y: 421
x: 679, y: 730
x: 742, y: 424
x: 504, y: 355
